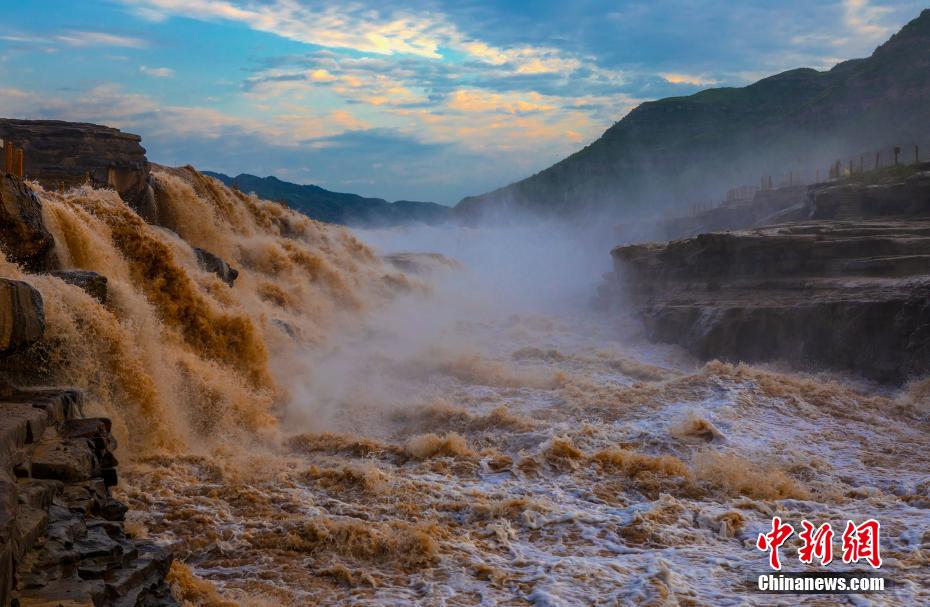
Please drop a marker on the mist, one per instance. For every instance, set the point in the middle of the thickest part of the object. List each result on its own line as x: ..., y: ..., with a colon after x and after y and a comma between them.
x: 447, y: 406
x: 397, y: 357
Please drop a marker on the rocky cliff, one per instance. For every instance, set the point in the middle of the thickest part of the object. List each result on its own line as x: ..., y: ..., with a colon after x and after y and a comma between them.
x: 692, y: 148
x: 62, y: 534
x: 66, y: 153
x: 62, y: 537
x: 847, y: 288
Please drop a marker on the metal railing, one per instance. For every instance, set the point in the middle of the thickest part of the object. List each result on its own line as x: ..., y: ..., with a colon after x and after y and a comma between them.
x: 14, y: 158
x: 842, y: 168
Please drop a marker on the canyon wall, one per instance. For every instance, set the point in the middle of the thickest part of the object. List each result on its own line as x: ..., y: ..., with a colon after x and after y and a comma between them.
x: 845, y: 288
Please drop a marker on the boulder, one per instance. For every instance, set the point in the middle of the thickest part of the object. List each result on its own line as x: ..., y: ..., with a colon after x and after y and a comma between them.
x: 211, y: 263
x: 23, y: 236
x: 64, y: 460
x: 93, y: 283
x: 22, y: 317
x: 20, y: 424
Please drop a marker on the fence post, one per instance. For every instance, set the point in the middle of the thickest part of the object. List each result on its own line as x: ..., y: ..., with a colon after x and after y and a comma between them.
x: 9, y: 156
x: 19, y: 163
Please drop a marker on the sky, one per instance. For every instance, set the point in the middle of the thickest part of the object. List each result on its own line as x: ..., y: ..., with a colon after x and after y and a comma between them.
x: 409, y: 99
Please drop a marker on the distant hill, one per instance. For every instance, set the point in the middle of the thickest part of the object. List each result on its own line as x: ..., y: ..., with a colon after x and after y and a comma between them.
x: 336, y: 207
x: 685, y: 149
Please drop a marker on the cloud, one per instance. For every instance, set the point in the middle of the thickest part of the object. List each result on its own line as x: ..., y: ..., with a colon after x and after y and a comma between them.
x: 333, y: 26
x: 481, y: 101
x: 74, y: 39
x: 526, y: 60
x: 417, y: 73
x: 428, y: 154
x: 157, y: 72
x: 864, y: 19
x: 113, y: 105
x: 82, y: 39
x: 369, y: 81
x: 675, y: 78
x: 500, y: 89
x: 439, y: 102
x: 356, y: 27
x: 347, y: 121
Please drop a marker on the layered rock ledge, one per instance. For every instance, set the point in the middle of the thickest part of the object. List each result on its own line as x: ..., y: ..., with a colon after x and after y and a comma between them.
x: 62, y: 534
x: 72, y: 153
x: 851, y: 295
x: 62, y: 538
x: 836, y: 276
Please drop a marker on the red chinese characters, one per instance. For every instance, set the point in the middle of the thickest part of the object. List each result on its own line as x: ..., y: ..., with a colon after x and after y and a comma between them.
x: 861, y: 542
x: 817, y: 543
x: 773, y: 540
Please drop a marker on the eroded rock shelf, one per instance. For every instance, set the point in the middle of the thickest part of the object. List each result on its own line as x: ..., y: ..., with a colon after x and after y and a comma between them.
x: 847, y: 288
x: 62, y: 533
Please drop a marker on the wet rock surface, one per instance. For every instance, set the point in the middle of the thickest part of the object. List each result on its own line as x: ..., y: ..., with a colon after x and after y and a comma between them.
x: 23, y: 237
x: 62, y: 539
x: 93, y: 283
x: 59, y: 152
x: 810, y: 293
x: 22, y: 317
x: 212, y: 263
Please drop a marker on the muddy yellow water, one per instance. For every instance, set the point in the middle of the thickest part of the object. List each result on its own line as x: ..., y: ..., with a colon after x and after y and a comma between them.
x: 337, y: 430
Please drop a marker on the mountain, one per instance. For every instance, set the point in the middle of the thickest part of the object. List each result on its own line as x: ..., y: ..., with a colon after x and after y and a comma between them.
x: 336, y: 207
x: 683, y: 150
